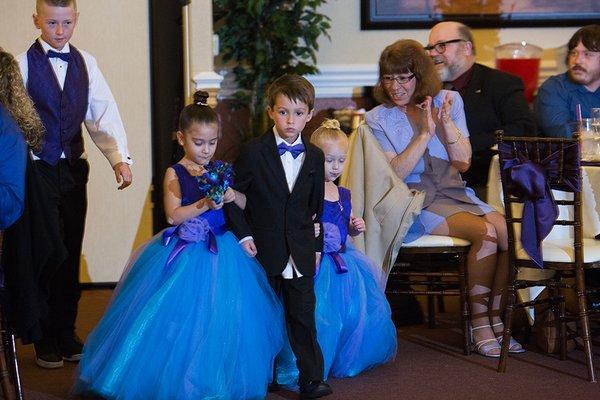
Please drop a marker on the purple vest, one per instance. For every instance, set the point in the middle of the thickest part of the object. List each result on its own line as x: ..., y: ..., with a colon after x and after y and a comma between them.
x: 61, y: 111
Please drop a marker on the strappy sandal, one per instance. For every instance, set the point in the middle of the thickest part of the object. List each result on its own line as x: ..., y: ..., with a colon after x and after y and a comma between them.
x: 485, y: 347
x: 514, y: 347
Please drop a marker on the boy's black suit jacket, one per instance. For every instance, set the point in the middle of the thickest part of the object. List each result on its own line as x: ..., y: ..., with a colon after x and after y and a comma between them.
x: 280, y: 222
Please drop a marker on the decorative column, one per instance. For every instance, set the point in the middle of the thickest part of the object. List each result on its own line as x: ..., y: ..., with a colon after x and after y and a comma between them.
x: 199, y: 51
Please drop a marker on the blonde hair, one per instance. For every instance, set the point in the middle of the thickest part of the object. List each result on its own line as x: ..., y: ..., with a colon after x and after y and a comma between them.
x: 329, y: 131
x: 14, y: 97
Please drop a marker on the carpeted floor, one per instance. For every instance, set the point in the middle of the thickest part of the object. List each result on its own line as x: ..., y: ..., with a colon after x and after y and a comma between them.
x: 429, y: 365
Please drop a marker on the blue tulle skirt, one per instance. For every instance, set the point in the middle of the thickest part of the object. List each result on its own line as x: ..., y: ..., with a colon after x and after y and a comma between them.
x: 207, y: 327
x: 353, y: 319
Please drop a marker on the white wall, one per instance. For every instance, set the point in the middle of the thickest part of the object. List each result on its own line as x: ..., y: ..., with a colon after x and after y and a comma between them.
x: 350, y: 45
x: 118, y: 37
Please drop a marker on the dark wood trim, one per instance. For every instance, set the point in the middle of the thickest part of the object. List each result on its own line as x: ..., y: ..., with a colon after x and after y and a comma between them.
x: 97, y: 285
x: 166, y: 49
x: 369, y: 20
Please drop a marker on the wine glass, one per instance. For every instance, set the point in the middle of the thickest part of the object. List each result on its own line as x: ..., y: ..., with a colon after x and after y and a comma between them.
x: 590, y: 139
x: 595, y: 115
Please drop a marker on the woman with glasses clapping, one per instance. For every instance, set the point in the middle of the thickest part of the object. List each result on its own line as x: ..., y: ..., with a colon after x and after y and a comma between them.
x: 423, y: 132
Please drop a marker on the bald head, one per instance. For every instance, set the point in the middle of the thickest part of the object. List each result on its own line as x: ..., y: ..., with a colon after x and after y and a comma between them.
x: 456, y: 29
x: 452, y: 48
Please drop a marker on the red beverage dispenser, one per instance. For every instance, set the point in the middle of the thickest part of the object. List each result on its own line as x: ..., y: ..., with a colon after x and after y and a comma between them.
x: 521, y: 59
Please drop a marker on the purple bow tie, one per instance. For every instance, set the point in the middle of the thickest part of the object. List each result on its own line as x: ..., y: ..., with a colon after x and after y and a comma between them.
x: 55, y: 54
x: 294, y: 150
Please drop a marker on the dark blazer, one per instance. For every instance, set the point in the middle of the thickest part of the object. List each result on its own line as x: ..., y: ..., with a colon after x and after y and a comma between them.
x: 280, y: 222
x: 493, y: 100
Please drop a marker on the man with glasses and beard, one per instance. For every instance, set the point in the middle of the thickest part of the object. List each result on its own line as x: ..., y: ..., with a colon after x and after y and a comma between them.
x: 493, y: 99
x: 559, y: 96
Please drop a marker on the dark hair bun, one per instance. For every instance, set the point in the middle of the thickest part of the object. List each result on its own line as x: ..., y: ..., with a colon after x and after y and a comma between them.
x: 201, y: 98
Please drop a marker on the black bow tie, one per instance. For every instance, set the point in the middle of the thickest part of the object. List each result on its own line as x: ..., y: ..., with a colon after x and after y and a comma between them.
x: 63, y: 56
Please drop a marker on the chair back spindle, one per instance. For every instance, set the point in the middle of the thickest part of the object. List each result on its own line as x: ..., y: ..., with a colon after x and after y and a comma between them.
x: 534, y: 171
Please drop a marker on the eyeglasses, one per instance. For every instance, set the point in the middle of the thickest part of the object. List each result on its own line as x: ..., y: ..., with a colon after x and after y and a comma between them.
x: 441, y: 46
x: 402, y: 80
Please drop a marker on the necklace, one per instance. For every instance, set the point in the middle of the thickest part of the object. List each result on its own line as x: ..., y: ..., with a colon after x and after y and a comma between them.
x: 339, y: 199
x: 194, y: 170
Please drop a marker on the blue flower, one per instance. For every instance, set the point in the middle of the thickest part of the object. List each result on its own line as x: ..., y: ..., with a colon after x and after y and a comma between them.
x: 216, y: 180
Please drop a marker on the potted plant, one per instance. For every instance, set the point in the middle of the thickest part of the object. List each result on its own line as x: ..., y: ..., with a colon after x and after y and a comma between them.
x: 264, y: 39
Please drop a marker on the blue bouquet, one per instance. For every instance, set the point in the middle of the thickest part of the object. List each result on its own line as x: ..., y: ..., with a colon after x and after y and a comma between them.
x: 216, y: 180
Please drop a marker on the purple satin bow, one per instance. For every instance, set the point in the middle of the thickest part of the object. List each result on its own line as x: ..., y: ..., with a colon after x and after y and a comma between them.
x: 295, y: 150
x: 191, y: 231
x: 333, y: 246
x: 529, y: 182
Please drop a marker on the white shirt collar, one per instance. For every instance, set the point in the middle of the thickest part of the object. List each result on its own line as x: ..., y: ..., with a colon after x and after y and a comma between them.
x: 46, y: 47
x: 279, y: 139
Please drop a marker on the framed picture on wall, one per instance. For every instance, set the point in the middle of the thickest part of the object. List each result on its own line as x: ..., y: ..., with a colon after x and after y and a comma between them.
x: 402, y: 14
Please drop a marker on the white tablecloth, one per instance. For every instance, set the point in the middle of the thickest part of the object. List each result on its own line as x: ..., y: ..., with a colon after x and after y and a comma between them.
x: 590, y: 197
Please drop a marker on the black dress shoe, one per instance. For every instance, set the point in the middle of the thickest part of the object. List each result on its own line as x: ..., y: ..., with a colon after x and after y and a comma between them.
x: 273, y: 387
x: 70, y: 348
x: 314, y: 390
x: 47, y: 354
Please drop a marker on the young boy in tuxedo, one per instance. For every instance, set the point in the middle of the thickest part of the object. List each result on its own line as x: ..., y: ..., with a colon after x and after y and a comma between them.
x: 282, y: 177
x: 68, y: 89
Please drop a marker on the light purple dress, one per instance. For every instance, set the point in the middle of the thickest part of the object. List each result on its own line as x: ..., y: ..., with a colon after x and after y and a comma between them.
x: 445, y: 191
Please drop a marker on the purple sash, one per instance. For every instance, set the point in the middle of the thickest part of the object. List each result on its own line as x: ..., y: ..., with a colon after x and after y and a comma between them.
x: 529, y: 182
x: 195, y: 230
x: 333, y: 246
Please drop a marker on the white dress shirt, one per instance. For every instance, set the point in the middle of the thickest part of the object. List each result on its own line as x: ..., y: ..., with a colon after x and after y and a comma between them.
x: 102, y: 119
x: 291, y: 166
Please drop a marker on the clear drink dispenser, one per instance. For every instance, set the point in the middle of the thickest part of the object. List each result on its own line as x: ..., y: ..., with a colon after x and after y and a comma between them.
x: 521, y: 59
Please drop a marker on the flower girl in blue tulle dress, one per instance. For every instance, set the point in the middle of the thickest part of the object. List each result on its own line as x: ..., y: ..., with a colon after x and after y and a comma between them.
x: 193, y: 317
x: 353, y: 317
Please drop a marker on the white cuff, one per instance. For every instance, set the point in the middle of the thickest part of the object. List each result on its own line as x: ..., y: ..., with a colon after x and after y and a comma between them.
x: 245, y: 239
